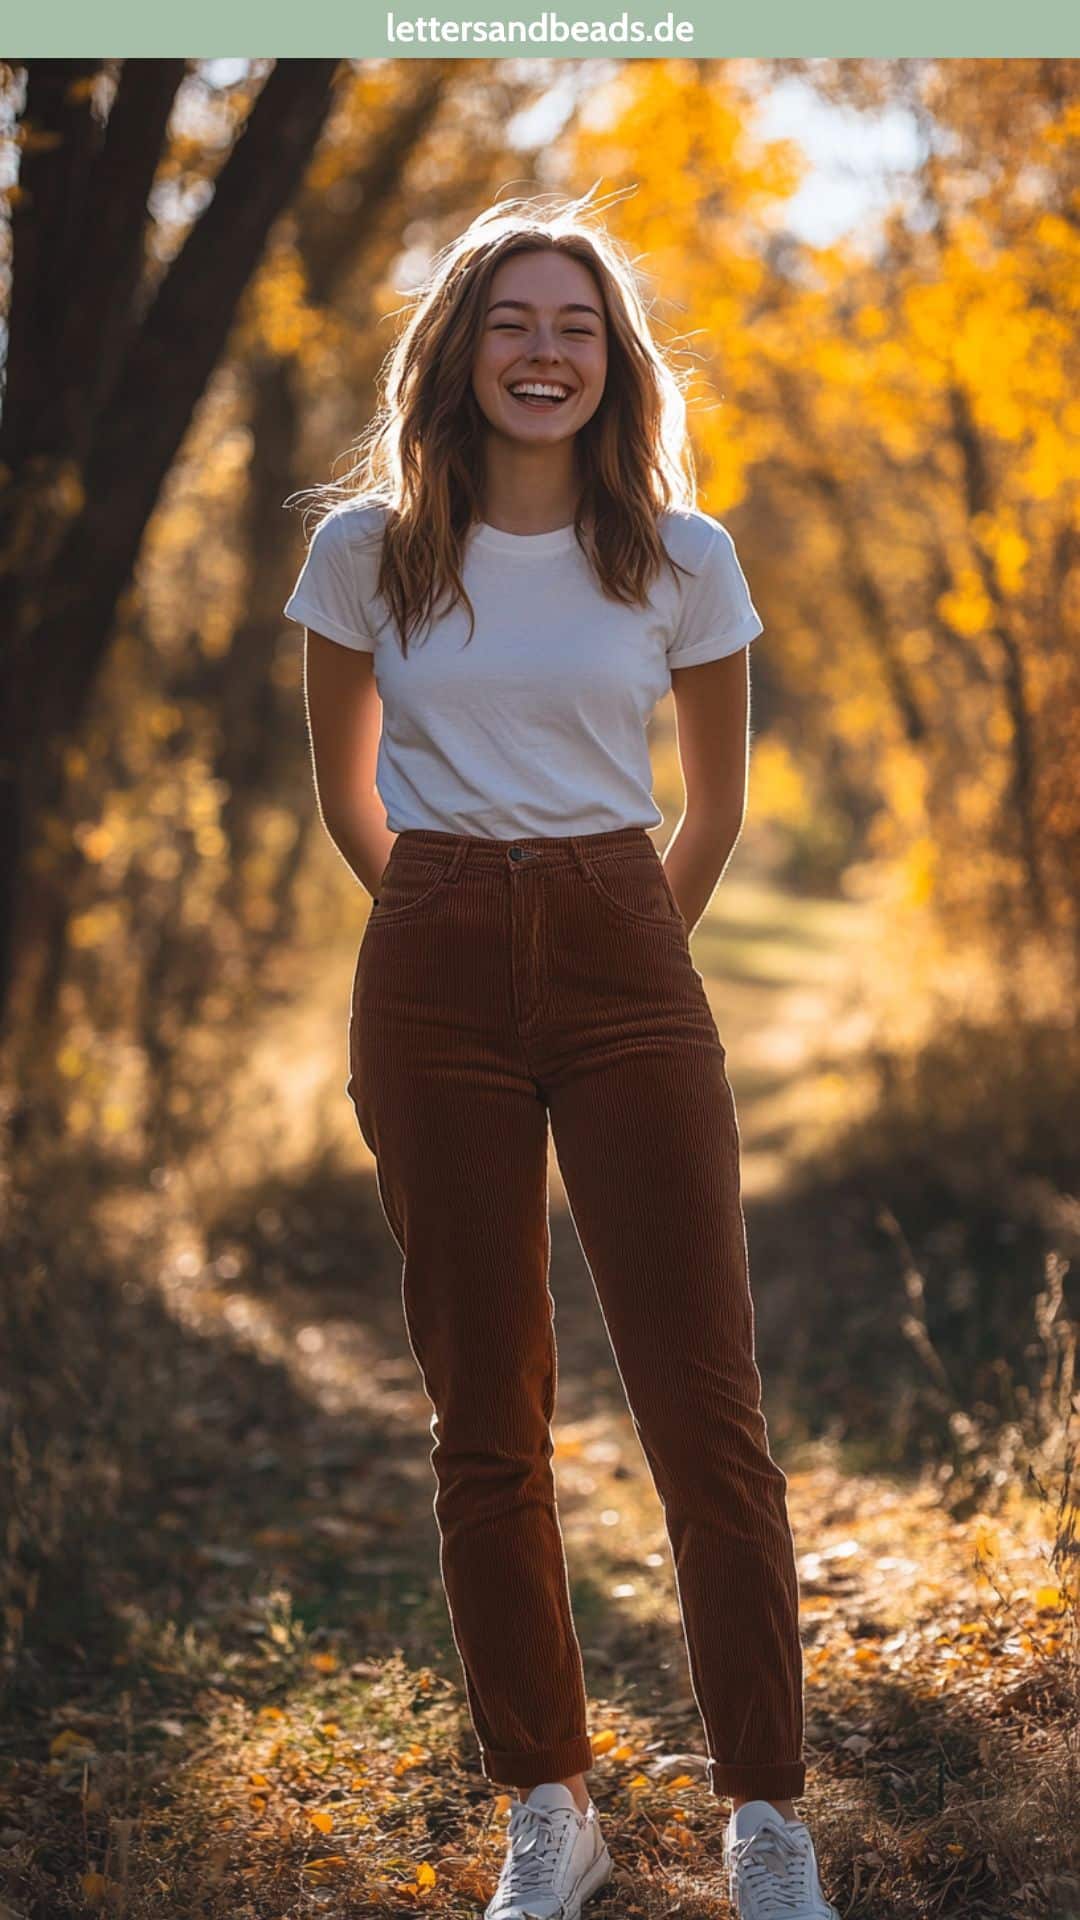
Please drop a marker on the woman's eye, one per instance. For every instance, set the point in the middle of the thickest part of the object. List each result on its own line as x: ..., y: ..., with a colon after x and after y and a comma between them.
x: 513, y: 326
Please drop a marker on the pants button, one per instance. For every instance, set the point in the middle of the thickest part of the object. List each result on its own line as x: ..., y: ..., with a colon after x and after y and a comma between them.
x: 517, y: 853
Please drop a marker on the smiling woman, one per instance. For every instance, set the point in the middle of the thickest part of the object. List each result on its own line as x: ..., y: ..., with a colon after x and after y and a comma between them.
x: 505, y: 721
x: 542, y: 351
x: 537, y: 394
x: 526, y: 501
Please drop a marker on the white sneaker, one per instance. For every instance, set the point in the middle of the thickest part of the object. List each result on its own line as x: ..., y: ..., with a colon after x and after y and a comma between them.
x: 772, y: 1867
x: 556, y: 1856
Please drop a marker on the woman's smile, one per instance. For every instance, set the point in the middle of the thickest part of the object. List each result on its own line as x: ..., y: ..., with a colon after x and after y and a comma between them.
x: 540, y: 395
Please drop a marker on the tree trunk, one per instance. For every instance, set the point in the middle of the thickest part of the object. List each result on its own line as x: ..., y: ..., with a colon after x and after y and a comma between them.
x: 61, y: 623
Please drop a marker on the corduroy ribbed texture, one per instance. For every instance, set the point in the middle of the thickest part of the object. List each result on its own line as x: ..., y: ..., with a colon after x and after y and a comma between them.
x: 498, y: 992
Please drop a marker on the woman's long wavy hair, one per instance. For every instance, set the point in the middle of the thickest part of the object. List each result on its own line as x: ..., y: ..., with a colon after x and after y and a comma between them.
x: 421, y: 457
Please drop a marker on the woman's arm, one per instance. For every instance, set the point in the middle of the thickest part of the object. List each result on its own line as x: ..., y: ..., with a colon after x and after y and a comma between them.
x: 712, y: 713
x: 344, y: 723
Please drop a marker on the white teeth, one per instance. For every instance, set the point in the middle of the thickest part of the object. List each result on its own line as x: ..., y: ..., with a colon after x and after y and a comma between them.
x: 540, y: 391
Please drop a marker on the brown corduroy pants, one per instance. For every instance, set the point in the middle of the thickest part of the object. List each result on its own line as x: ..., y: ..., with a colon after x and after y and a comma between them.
x: 503, y: 986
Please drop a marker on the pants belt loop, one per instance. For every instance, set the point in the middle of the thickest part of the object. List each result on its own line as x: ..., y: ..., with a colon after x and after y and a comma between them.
x: 457, y: 861
x: 579, y: 854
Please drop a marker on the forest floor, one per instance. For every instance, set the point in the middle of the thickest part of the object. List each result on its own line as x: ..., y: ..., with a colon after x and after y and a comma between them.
x: 259, y: 1714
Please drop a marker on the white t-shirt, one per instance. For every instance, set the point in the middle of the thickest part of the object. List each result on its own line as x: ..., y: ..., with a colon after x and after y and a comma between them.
x: 538, y: 725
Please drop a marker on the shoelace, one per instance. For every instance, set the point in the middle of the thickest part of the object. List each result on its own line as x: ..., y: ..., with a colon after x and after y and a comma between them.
x: 534, y: 1850
x: 772, y: 1862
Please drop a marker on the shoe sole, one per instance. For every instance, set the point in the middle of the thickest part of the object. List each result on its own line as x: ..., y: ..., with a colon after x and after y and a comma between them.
x: 598, y: 1876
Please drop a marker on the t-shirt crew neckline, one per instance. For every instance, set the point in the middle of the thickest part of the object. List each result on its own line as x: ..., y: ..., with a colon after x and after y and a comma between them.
x: 524, y: 546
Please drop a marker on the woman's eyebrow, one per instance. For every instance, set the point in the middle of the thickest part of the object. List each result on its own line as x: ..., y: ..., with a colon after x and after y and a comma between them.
x: 571, y: 306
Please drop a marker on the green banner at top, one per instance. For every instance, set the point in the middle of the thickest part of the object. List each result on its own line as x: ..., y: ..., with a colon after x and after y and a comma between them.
x: 471, y: 29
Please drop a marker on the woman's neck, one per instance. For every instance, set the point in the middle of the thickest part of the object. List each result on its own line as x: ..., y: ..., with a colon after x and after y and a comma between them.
x: 530, y: 492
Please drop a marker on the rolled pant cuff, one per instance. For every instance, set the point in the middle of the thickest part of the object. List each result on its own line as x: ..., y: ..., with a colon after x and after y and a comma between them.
x: 781, y: 1782
x: 542, y: 1764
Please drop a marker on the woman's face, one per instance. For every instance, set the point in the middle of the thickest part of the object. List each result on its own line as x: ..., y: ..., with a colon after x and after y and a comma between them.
x: 545, y: 323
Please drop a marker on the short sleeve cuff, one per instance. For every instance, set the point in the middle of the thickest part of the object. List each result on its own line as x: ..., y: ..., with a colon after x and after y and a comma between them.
x: 305, y: 612
x: 716, y: 646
